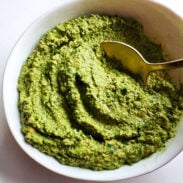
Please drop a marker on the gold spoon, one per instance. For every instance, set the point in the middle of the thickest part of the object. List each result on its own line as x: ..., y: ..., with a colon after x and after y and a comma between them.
x: 134, y: 62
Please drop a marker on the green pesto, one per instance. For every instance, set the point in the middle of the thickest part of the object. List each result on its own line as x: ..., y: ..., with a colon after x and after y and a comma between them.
x: 80, y: 107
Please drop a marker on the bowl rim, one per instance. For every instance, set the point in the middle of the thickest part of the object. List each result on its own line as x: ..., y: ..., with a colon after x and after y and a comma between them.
x: 93, y: 176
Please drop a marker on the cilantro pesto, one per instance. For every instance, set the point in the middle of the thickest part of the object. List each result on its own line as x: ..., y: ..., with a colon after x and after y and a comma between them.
x: 82, y: 108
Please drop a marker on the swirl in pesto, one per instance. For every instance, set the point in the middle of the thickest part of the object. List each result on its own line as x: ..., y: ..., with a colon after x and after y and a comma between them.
x: 82, y: 108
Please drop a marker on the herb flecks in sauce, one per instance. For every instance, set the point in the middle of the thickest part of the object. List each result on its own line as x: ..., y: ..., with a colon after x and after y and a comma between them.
x: 79, y: 106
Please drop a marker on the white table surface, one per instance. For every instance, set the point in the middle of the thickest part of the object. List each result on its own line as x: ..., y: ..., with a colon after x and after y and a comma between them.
x: 15, y: 165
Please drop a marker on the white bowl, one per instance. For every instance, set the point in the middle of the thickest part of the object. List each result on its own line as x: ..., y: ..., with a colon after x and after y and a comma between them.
x: 159, y: 22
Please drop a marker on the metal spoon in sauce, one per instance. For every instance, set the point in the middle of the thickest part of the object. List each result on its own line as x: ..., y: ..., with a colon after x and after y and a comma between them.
x: 134, y: 62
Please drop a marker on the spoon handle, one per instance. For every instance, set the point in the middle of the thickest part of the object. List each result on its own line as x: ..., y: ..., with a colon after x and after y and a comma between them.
x: 166, y: 65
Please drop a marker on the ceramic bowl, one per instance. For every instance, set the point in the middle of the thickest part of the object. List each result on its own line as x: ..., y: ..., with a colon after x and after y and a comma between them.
x: 160, y: 23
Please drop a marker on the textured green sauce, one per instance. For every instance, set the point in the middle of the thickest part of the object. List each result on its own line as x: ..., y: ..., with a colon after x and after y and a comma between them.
x: 80, y: 107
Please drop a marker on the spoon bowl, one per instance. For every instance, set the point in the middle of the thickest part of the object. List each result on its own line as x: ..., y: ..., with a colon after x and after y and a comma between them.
x: 133, y: 61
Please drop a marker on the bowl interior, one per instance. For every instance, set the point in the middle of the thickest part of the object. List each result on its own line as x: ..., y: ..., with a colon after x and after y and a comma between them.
x: 160, y: 24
